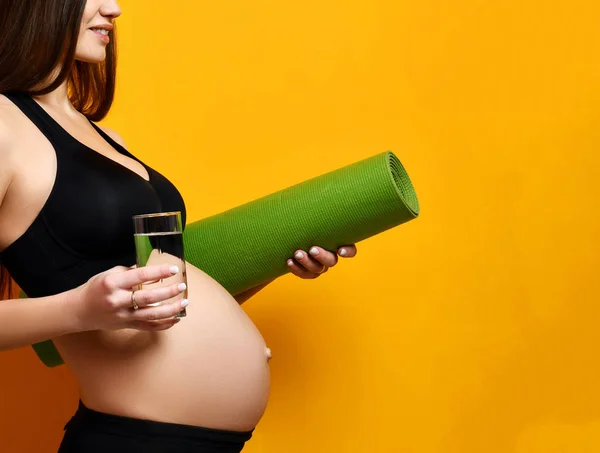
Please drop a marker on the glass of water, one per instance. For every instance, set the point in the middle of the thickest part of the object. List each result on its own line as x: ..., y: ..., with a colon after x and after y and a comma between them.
x: 159, y: 240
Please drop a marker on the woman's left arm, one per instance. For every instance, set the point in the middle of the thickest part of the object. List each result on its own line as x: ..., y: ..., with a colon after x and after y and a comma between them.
x: 307, y: 266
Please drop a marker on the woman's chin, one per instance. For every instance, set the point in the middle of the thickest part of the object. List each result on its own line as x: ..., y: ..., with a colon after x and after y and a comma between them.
x: 91, y: 58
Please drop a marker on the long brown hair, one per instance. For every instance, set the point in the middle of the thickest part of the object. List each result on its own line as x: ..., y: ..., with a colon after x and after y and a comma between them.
x: 37, y: 39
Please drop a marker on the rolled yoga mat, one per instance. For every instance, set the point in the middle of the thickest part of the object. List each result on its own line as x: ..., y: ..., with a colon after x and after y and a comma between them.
x: 249, y: 245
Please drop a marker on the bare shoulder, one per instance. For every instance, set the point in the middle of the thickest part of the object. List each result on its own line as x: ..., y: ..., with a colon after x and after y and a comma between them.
x: 7, y: 137
x: 114, y: 135
x: 8, y: 115
x: 6, y: 147
x: 5, y: 114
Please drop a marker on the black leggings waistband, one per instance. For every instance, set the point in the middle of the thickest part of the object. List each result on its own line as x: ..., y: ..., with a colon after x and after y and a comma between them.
x: 90, y: 431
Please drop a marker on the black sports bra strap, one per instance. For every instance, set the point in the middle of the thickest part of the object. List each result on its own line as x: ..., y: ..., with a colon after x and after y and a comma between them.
x: 38, y: 116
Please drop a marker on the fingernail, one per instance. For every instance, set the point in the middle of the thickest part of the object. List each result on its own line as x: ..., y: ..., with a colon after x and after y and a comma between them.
x: 174, y: 269
x: 290, y: 263
x: 343, y: 252
x: 182, y: 287
x: 314, y: 251
x: 299, y: 255
x: 185, y: 303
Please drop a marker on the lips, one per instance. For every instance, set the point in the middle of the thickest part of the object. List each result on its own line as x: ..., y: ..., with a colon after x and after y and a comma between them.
x: 105, y: 26
x: 101, y: 33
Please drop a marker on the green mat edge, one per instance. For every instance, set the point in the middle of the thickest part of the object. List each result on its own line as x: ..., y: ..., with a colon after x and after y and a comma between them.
x: 48, y: 354
x: 408, y: 194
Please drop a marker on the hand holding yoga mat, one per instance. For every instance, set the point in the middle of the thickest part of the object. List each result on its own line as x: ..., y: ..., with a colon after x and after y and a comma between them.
x: 341, y: 207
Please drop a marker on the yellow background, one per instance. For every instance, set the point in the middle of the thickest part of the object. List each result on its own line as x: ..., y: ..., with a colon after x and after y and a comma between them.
x: 472, y: 329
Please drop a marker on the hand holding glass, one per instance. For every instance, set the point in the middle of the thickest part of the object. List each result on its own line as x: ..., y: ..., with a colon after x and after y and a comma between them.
x: 159, y: 240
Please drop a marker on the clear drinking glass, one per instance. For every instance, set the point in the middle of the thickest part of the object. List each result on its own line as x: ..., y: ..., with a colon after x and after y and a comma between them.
x: 159, y: 240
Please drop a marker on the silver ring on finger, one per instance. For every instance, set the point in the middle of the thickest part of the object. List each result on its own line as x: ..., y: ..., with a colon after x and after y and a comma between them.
x: 133, y: 302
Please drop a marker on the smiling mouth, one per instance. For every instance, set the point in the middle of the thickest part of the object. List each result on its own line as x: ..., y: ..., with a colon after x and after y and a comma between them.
x: 100, y: 31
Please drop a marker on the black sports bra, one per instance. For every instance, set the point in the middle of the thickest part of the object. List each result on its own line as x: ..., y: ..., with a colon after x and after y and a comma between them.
x: 85, y: 226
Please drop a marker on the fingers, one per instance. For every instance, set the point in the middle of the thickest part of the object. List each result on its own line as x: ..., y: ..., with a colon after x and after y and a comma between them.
x: 318, y: 260
x: 318, y: 263
x: 348, y: 251
x: 323, y: 256
x: 160, y: 312
x: 300, y: 271
x: 146, y: 297
x: 138, y: 276
x: 320, y: 255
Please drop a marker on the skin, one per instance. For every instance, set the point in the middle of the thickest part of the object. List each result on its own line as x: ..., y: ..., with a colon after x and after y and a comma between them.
x: 209, y: 369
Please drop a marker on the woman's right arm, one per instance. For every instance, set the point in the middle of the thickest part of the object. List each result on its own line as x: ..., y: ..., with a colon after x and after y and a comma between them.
x: 27, y: 321
x: 104, y: 302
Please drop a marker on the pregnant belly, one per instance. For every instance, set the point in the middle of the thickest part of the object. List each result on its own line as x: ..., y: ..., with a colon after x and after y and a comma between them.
x: 209, y: 370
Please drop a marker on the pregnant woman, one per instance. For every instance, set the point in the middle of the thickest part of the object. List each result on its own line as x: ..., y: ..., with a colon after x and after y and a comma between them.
x: 149, y: 382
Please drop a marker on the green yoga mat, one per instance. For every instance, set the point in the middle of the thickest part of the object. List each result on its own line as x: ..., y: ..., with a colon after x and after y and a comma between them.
x: 249, y: 245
